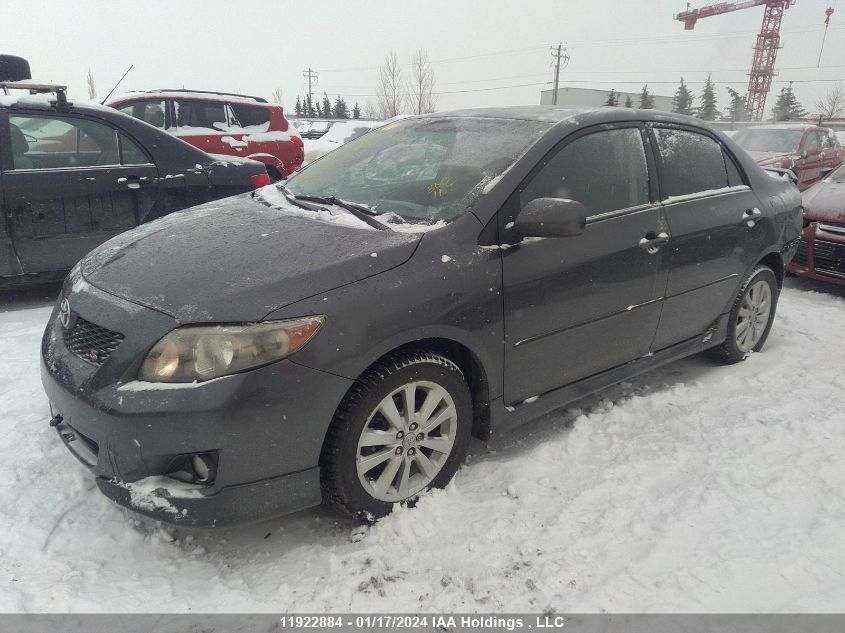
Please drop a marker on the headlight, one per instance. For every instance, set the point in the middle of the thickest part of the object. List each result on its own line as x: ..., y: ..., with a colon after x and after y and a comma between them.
x: 196, y: 353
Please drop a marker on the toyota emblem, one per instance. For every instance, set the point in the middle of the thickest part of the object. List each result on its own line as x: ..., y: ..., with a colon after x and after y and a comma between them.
x: 64, y: 313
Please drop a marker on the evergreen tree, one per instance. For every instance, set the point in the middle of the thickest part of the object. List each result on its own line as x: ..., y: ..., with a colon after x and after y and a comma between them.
x: 738, y: 110
x: 682, y: 101
x: 340, y: 111
x: 646, y: 99
x: 319, y: 111
x: 612, y: 98
x: 309, y: 106
x: 327, y: 106
x: 787, y: 106
x: 356, y: 111
x: 629, y: 103
x: 298, y: 107
x: 707, y: 109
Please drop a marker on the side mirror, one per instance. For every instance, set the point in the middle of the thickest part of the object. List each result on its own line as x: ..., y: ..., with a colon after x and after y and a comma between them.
x: 551, y: 217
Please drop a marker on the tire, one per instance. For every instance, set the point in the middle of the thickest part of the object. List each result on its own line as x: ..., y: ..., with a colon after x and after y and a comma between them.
x: 746, y: 331
x: 13, y: 68
x: 363, y: 477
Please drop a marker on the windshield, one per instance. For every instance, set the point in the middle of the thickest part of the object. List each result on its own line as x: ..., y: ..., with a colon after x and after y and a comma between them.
x: 427, y: 169
x: 776, y: 141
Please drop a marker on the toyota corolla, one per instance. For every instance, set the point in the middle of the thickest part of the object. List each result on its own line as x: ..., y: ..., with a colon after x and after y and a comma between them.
x: 341, y: 337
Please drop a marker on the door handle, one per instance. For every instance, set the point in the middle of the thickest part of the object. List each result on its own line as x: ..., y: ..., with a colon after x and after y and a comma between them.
x: 135, y: 182
x: 652, y: 242
x: 750, y: 216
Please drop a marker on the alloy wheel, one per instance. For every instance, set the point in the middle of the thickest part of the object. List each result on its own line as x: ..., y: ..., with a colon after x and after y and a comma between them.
x: 406, y: 441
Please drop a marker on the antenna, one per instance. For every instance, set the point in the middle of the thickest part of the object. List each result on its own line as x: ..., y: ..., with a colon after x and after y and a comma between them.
x: 106, y: 98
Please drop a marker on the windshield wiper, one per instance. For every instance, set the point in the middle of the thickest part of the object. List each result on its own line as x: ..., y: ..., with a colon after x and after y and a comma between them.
x: 360, y: 211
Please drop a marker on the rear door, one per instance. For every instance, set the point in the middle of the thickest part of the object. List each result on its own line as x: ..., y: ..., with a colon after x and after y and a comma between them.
x: 831, y: 152
x: 577, y: 306
x: 205, y: 124
x: 811, y: 162
x: 66, y: 191
x: 713, y: 218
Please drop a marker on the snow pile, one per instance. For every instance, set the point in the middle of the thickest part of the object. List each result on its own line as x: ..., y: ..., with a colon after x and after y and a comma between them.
x: 693, y: 488
x: 338, y: 134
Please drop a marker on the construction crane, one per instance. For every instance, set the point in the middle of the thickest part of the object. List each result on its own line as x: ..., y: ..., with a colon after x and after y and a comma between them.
x: 765, y: 50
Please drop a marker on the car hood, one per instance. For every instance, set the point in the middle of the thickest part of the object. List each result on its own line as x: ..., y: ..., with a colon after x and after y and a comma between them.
x: 767, y: 158
x: 237, y: 260
x: 825, y: 201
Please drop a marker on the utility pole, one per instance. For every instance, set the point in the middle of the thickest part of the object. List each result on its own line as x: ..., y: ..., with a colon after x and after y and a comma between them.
x: 560, y: 55
x: 310, y: 74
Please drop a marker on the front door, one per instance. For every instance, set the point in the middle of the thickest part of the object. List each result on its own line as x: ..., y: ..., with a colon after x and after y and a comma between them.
x: 811, y: 162
x: 577, y: 306
x: 66, y: 190
x: 715, y: 223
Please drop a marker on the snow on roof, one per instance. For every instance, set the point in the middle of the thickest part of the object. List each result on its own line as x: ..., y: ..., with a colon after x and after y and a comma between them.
x: 187, y: 94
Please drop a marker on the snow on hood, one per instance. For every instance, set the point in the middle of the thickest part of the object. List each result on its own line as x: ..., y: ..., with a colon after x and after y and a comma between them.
x: 825, y: 201
x: 237, y: 259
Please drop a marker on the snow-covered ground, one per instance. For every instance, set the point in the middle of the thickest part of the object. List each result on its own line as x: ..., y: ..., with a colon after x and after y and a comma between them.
x: 695, y: 488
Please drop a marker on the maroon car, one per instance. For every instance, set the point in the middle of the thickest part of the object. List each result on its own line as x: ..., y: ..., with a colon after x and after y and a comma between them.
x: 810, y: 151
x: 821, y: 253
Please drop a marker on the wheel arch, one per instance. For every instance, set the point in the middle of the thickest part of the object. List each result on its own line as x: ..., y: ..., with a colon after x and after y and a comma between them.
x: 467, y: 361
x: 774, y: 261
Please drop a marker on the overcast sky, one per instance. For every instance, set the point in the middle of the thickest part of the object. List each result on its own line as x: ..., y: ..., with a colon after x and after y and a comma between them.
x: 484, y: 51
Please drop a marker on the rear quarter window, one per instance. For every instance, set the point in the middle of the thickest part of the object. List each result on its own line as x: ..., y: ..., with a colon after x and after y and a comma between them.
x: 691, y: 162
x: 250, y: 117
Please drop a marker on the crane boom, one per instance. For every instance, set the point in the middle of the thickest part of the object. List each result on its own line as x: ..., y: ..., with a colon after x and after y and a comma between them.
x: 690, y: 17
x: 765, y: 49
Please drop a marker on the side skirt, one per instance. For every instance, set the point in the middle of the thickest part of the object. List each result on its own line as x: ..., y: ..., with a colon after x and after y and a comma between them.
x: 505, y: 418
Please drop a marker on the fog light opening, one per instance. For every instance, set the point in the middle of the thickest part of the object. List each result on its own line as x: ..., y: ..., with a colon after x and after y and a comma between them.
x: 204, y: 468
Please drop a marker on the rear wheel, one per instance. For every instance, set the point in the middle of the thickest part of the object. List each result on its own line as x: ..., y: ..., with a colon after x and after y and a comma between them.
x: 751, y: 317
x: 403, y: 428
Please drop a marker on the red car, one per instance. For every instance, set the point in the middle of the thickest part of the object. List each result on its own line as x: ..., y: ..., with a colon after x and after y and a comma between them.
x: 821, y: 252
x: 810, y: 151
x: 221, y: 123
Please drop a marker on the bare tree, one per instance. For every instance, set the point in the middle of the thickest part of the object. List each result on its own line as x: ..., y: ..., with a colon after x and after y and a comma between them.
x: 92, y: 91
x: 832, y: 103
x: 389, y: 87
x: 422, y: 96
x: 370, y: 111
x: 276, y: 96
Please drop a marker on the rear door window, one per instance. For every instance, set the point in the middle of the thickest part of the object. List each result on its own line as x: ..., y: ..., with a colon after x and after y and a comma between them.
x: 605, y: 171
x: 151, y: 112
x: 200, y: 116
x: 692, y: 163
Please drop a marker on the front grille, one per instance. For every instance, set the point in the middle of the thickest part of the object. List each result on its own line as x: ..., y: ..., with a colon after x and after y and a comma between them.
x: 800, y: 258
x: 829, y: 257
x: 91, y: 342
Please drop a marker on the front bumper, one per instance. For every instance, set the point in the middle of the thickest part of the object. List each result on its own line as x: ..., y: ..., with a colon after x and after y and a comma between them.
x: 821, y: 253
x: 265, y: 426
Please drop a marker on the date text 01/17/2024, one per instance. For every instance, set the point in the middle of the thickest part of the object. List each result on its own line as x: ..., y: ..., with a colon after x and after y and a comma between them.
x: 446, y: 622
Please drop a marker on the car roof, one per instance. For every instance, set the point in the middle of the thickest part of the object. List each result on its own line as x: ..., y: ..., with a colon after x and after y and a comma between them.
x: 193, y: 95
x: 572, y: 114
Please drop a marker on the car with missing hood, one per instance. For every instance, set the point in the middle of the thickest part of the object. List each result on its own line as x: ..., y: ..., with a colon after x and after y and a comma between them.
x: 73, y: 175
x: 809, y: 151
x: 821, y: 252
x: 340, y: 338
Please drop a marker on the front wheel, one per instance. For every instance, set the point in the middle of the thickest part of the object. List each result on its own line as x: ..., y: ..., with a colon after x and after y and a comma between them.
x: 751, y: 317
x: 403, y: 428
